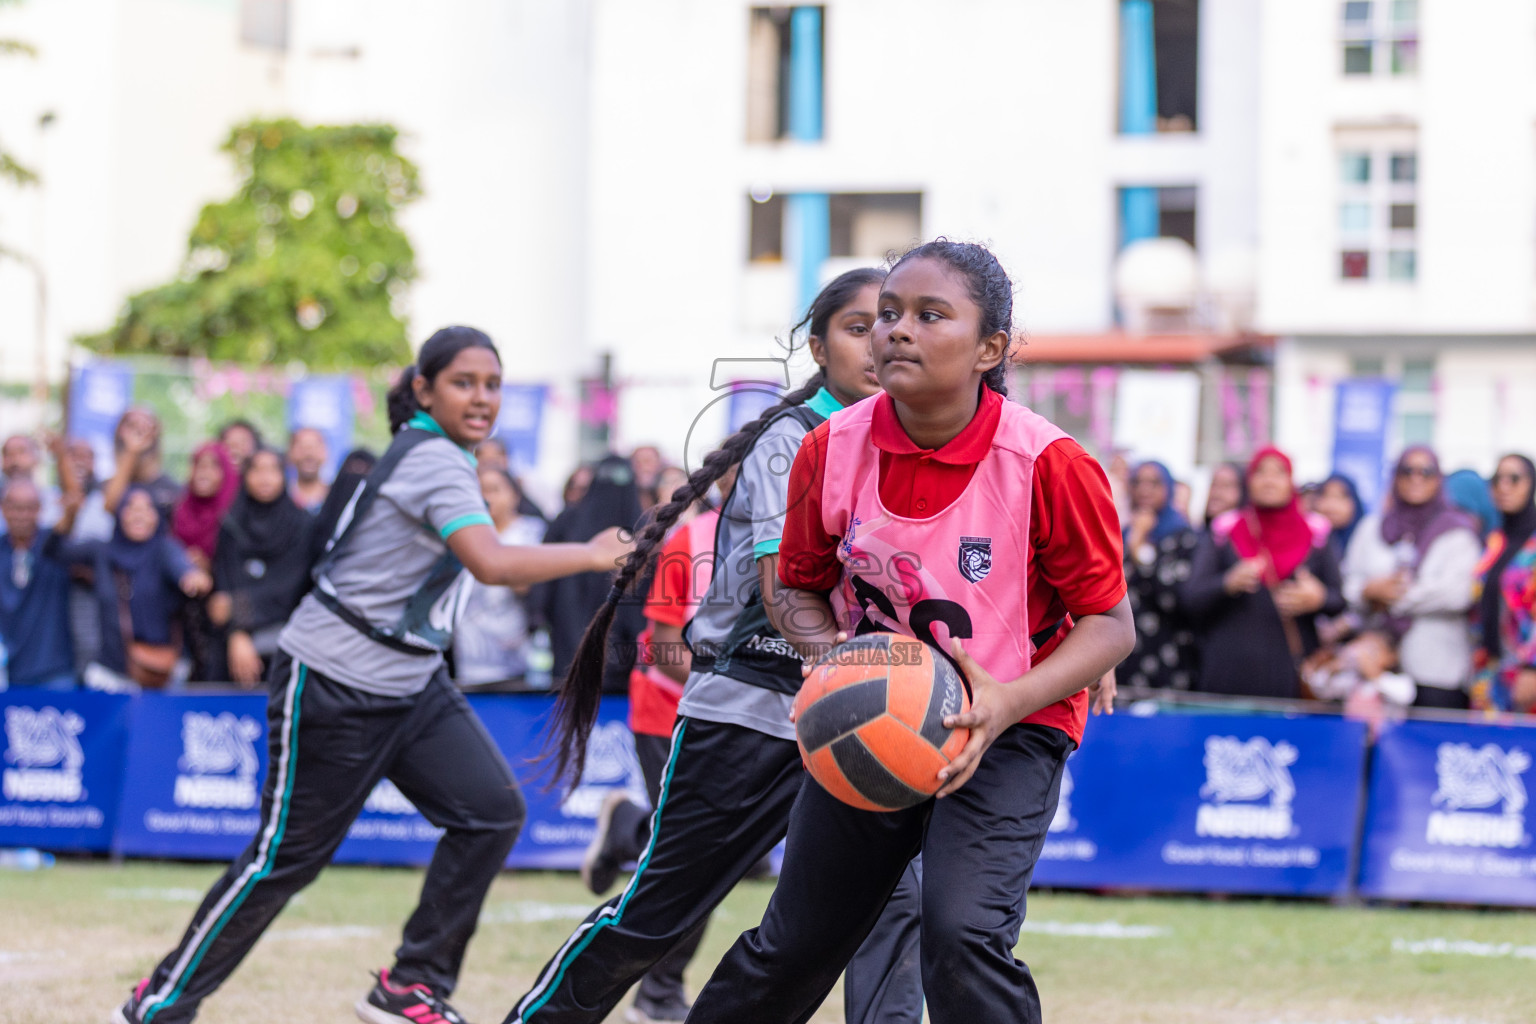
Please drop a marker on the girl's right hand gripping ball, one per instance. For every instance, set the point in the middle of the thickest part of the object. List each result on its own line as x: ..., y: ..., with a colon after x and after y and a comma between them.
x: 870, y: 721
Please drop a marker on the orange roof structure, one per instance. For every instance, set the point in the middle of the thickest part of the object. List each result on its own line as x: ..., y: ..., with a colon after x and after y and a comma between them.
x: 1119, y: 347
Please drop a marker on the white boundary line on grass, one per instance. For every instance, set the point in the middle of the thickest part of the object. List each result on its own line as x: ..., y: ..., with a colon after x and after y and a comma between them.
x: 323, y: 933
x: 158, y: 895
x: 1094, y: 929
x: 533, y: 912
x: 1378, y: 1020
x: 1463, y: 947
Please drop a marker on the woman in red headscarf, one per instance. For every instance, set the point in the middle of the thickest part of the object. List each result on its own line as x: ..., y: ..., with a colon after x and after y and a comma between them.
x: 211, y: 488
x: 1258, y: 582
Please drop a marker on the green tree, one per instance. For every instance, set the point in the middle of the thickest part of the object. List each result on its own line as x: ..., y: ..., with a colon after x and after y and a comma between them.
x: 305, y: 263
x: 11, y: 169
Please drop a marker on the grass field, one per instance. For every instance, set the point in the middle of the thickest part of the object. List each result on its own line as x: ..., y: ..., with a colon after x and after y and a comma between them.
x: 78, y: 936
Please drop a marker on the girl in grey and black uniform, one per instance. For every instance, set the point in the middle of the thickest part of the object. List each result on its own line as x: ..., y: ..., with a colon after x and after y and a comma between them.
x: 358, y: 693
x: 734, y: 768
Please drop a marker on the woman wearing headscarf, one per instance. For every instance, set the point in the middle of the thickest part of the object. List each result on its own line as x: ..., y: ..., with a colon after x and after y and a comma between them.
x: 1506, y: 607
x: 261, y: 566
x: 1159, y: 547
x: 140, y: 576
x: 1259, y: 580
x: 1338, y: 501
x: 1409, y: 569
x: 1467, y: 490
x: 211, y: 488
x: 566, y: 605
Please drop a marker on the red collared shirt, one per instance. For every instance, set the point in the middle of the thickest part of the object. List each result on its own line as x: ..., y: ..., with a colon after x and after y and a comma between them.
x: 1073, y: 526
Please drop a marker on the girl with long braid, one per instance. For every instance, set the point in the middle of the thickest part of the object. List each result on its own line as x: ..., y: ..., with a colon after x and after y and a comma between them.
x: 939, y: 464
x: 734, y: 769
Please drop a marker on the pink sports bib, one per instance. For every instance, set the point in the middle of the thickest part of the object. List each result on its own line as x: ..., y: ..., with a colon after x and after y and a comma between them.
x: 961, y: 572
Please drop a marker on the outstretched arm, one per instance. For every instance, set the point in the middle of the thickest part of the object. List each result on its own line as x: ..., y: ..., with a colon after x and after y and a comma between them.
x: 497, y: 564
x: 137, y: 439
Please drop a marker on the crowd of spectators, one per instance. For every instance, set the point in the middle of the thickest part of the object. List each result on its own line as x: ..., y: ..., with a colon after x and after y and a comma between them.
x: 133, y: 579
x: 1288, y: 591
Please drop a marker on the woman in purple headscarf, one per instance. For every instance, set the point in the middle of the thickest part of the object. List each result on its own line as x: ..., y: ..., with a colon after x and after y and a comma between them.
x: 1410, y: 569
x: 1159, y: 544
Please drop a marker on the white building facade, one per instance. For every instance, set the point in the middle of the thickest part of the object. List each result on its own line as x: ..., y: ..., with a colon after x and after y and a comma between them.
x: 666, y: 183
x: 1398, y: 219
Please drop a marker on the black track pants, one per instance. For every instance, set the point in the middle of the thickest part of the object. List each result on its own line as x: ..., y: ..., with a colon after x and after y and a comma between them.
x: 979, y: 848
x: 724, y: 804
x: 724, y: 801
x: 664, y: 982
x: 329, y: 744
x: 884, y: 981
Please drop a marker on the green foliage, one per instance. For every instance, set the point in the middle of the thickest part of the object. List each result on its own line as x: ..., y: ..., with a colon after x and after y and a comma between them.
x: 304, y: 263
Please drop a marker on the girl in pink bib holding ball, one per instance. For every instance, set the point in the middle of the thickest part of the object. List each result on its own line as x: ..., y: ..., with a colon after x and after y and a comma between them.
x: 944, y: 512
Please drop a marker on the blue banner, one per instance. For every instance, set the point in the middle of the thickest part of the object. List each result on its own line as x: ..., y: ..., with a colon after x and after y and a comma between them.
x: 61, y: 768
x: 748, y: 401
x: 559, y: 826
x: 518, y: 423
x: 324, y: 404
x: 1449, y: 815
x: 99, y: 394
x: 197, y: 765
x: 1209, y: 804
x: 1362, y: 415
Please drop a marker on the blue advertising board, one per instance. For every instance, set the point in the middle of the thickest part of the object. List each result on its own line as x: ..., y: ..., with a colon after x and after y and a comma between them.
x: 197, y: 764
x: 559, y: 825
x: 1210, y: 804
x: 1449, y: 815
x: 1362, y: 414
x: 99, y: 394
x: 324, y: 403
x: 61, y: 769
x: 518, y: 423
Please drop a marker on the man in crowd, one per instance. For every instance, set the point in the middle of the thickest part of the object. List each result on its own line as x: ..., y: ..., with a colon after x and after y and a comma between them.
x: 240, y: 439
x: 34, y: 595
x: 307, y: 455
x: 19, y: 459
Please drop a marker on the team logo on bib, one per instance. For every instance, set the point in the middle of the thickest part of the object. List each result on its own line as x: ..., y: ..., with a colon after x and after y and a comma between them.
x: 975, y: 558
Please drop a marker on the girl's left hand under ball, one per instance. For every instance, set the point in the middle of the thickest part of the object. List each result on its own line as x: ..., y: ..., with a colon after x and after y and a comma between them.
x: 988, y: 717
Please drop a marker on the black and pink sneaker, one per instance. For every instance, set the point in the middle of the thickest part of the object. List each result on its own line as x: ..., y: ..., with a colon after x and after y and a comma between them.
x: 389, y: 1003
x: 128, y: 1013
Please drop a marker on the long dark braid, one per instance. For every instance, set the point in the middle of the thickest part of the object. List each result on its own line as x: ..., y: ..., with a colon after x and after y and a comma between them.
x: 576, y: 710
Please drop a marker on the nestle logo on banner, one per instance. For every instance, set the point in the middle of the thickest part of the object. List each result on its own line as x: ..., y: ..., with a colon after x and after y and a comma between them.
x: 386, y: 798
x: 42, y: 745
x: 611, y: 764
x: 1483, y: 796
x: 218, y: 761
x: 1237, y: 776
x: 1063, y: 822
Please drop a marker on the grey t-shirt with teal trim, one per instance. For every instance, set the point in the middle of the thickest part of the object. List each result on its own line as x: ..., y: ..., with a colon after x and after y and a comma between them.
x: 432, y: 493
x: 751, y: 526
